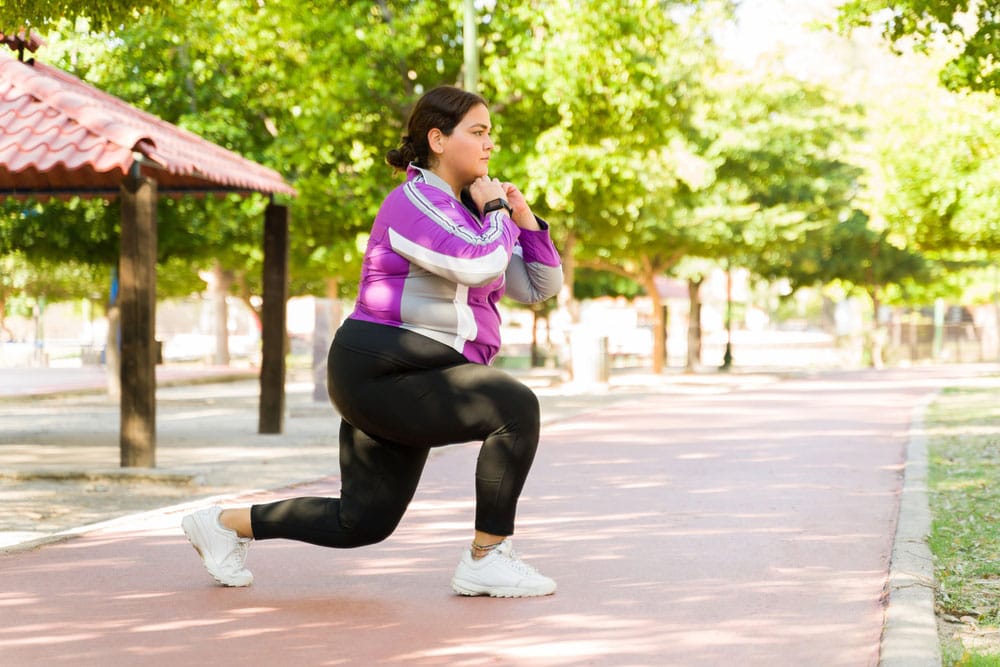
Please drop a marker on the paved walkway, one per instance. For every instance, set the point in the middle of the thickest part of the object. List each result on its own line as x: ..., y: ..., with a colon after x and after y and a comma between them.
x: 743, y: 520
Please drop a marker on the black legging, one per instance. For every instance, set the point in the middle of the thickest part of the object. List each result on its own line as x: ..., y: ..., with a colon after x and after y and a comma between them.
x: 399, y: 394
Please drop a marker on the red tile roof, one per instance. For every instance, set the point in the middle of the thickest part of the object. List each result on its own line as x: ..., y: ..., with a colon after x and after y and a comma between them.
x: 60, y: 136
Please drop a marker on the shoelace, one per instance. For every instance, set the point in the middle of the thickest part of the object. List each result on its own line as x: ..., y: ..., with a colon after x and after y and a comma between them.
x: 517, y: 563
x: 239, y: 552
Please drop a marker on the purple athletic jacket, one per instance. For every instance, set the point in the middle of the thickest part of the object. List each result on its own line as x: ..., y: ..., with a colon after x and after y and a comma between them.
x: 434, y: 268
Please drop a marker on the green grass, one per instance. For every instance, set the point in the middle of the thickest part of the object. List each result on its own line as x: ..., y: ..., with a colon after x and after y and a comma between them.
x: 963, y: 431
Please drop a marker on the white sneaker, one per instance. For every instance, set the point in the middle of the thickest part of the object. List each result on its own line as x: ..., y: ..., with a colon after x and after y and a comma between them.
x: 499, y: 574
x: 222, y: 550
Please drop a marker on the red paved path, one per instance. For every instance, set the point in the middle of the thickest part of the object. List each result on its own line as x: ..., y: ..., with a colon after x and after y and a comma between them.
x: 750, y: 528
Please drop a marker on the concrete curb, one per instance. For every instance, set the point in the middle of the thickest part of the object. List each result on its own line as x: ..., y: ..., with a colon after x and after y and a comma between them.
x: 131, y: 519
x: 63, y: 474
x: 909, y: 635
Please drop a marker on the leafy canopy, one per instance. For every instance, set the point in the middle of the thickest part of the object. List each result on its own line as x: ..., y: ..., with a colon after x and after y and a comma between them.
x: 971, y: 29
x: 17, y: 14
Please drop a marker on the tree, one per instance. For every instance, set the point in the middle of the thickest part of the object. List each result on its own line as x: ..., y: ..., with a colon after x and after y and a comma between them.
x: 968, y: 29
x: 17, y: 14
x: 319, y: 92
x: 605, y: 143
x: 781, y: 150
x: 935, y: 180
x: 37, y: 282
x: 852, y: 252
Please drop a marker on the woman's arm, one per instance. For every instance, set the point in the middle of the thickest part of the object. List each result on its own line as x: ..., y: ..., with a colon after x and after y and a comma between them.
x: 433, y: 231
x: 535, y: 272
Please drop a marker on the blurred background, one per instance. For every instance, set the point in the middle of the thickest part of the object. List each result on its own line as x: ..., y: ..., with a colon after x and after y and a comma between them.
x: 765, y: 183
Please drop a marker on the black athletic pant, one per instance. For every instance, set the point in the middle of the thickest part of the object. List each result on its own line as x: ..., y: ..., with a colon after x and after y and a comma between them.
x: 399, y: 394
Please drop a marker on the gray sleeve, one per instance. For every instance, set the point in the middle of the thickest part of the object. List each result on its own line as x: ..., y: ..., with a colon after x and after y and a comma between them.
x: 531, y: 282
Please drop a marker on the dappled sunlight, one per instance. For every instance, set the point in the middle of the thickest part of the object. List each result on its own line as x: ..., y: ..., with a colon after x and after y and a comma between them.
x: 184, y: 415
x: 141, y: 596
x: 16, y: 599
x: 553, y: 650
x: 177, y: 625
x: 46, y: 639
x: 250, y: 633
x: 370, y: 567
x: 749, y: 528
x: 598, y: 462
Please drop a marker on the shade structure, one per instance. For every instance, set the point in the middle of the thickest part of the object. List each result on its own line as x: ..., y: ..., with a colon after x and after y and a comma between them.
x: 61, y: 137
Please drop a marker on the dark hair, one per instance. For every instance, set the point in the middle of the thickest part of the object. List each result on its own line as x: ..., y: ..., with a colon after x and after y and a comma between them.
x: 442, y: 108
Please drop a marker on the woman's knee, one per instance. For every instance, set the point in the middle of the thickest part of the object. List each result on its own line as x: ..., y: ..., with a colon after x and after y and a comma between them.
x: 523, y: 410
x: 370, y: 521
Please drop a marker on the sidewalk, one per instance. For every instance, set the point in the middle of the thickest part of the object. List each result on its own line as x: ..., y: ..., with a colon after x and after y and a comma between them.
x: 710, y: 520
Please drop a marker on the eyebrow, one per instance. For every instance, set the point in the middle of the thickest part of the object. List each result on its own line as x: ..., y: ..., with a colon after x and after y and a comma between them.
x: 482, y: 125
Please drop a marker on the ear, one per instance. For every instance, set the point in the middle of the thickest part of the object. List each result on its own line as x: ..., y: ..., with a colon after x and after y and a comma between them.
x: 435, y: 139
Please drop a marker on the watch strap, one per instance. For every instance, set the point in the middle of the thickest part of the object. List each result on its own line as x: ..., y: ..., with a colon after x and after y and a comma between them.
x: 496, y: 205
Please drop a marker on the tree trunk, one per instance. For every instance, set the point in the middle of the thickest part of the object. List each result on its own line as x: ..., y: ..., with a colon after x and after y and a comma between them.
x: 3, y: 318
x: 219, y: 282
x: 565, y: 299
x: 327, y: 317
x: 659, y: 324
x: 694, y: 325
x: 274, y: 337
x: 137, y: 301
x: 112, y: 353
x: 876, y: 339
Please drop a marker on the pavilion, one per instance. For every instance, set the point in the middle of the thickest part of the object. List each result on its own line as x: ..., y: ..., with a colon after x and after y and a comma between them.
x: 61, y: 137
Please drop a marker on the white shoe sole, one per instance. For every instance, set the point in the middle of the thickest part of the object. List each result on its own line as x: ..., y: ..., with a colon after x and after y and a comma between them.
x: 471, y: 589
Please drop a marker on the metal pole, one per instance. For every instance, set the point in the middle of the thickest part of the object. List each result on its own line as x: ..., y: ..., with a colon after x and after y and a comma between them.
x: 470, y: 41
x: 727, y: 358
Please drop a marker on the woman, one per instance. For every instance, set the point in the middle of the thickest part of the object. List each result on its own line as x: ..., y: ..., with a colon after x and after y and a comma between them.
x: 409, y: 369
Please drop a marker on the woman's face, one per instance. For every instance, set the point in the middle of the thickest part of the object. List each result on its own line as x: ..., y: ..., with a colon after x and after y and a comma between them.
x: 464, y: 155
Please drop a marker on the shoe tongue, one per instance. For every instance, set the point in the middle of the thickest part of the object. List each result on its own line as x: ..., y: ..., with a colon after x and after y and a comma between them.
x: 506, y: 548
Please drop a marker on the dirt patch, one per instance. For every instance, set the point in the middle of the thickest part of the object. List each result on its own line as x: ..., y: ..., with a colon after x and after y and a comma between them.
x: 52, y: 505
x: 964, y: 634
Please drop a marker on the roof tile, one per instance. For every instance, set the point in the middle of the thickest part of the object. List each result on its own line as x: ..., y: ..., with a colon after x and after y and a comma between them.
x: 60, y: 135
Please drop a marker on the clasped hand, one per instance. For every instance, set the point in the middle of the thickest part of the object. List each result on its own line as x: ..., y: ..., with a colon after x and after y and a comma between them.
x: 485, y: 189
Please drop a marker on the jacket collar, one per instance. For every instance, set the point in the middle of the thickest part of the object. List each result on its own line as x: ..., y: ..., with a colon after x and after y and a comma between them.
x: 429, y: 177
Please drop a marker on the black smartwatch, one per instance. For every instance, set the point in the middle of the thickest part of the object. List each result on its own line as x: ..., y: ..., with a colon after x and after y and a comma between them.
x: 496, y: 205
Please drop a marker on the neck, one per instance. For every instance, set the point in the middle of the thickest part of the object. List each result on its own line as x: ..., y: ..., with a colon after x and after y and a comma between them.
x: 456, y: 188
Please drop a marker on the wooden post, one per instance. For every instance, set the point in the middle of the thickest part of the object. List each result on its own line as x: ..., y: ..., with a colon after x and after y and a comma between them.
x: 137, y: 300
x: 272, y: 366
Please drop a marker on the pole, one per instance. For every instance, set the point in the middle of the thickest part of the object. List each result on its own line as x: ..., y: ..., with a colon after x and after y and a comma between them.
x: 273, y: 320
x: 137, y: 298
x: 470, y: 41
x: 727, y: 358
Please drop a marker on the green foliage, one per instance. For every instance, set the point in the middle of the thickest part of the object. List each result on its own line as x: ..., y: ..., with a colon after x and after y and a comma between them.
x: 15, y: 14
x: 600, y: 135
x: 52, y: 281
x: 964, y: 485
x: 288, y: 84
x: 938, y: 189
x: 970, y: 29
x: 618, y: 119
x: 851, y: 251
x: 75, y: 230
x: 781, y: 147
x: 590, y: 284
